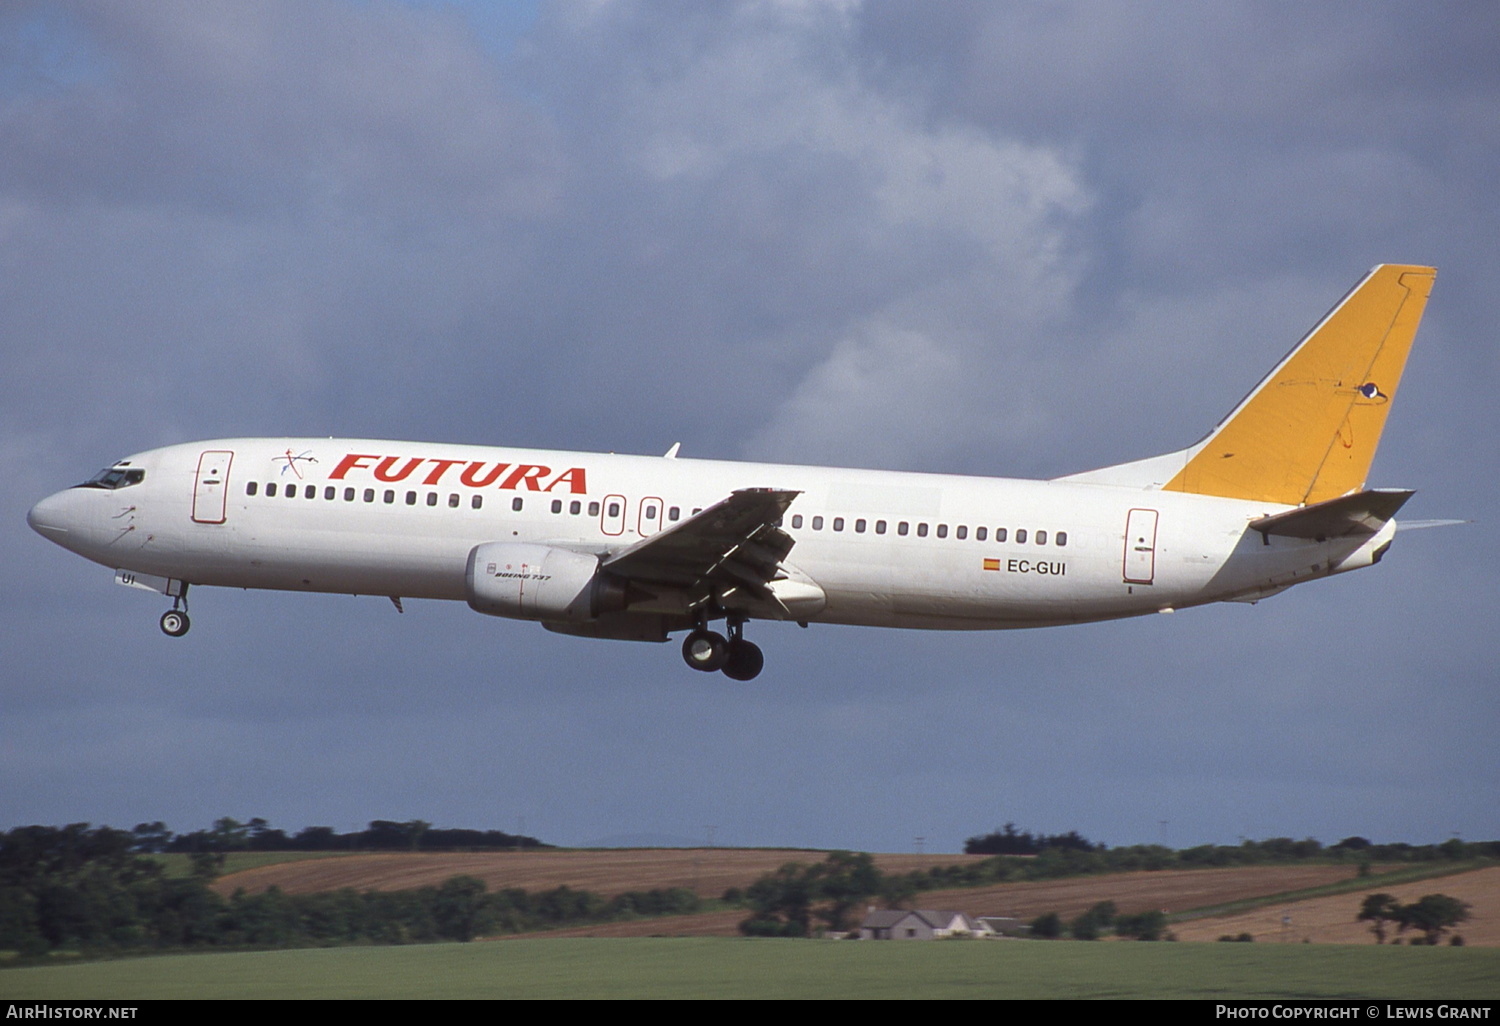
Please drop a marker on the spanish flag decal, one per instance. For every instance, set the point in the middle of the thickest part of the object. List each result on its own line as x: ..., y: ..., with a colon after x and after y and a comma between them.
x: 992, y: 564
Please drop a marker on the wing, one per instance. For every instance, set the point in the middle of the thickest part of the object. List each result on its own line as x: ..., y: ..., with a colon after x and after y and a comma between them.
x: 735, y: 543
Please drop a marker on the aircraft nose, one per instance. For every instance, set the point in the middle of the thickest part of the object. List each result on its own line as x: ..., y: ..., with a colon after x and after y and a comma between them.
x: 51, y: 518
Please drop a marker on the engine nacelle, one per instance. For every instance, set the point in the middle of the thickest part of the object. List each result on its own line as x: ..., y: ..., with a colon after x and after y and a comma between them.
x: 540, y: 582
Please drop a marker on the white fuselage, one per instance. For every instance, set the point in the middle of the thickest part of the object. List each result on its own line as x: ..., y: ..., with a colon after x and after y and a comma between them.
x: 885, y: 548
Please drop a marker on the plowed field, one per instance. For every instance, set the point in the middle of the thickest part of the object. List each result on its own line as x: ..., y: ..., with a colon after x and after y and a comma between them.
x: 1173, y: 890
x: 708, y: 872
x: 1332, y: 920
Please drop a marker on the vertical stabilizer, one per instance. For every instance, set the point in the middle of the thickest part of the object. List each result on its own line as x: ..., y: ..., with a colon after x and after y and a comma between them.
x: 1309, y: 430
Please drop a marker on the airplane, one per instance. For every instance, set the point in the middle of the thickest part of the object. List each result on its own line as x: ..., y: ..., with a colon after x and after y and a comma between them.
x: 638, y: 548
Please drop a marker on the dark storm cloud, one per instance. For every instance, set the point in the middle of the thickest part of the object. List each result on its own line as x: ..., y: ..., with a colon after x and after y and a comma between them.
x: 279, y: 109
x: 1008, y: 239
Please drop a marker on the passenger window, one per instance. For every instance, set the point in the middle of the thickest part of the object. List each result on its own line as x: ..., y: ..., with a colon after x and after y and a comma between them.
x: 1062, y: 538
x: 1041, y: 537
x: 999, y: 534
x: 329, y: 492
x: 697, y: 510
x: 1020, y: 536
x: 651, y: 512
x: 411, y: 498
x: 921, y: 530
x: 348, y: 494
x: 516, y: 504
x: 981, y: 533
x: 880, y: 527
x: 614, y: 509
x: 557, y: 505
x: 796, y: 519
x: 389, y: 496
x: 859, y: 527
x: 942, y: 530
x: 271, y: 489
x: 453, y: 500
x: 291, y: 491
x: 902, y: 528
x: 593, y: 509
x: 432, y: 498
x: 961, y: 532
x: 369, y: 495
x: 674, y: 513
x: 817, y: 523
x: 477, y: 502
x: 575, y: 507
x: 838, y: 523
x: 250, y: 488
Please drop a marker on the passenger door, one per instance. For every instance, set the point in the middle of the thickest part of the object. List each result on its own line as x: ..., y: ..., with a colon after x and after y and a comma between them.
x: 211, y: 486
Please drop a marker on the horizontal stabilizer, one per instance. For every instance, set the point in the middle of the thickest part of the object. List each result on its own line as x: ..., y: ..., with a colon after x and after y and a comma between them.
x: 1362, y: 513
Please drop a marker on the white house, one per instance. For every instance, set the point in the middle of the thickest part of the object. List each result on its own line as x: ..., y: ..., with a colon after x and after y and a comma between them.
x: 919, y: 924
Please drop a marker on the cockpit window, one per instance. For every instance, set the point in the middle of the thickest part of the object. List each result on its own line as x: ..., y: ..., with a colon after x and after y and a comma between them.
x: 115, y: 477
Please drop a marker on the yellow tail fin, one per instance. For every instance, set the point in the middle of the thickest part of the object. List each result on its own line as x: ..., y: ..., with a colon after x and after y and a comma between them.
x: 1309, y: 430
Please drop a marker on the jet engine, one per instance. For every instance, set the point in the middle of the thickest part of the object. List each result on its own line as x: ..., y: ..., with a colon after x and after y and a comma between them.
x: 540, y: 582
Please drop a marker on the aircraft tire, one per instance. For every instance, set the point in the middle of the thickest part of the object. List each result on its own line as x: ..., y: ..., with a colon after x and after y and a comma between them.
x: 745, y: 660
x: 175, y: 623
x: 705, y: 650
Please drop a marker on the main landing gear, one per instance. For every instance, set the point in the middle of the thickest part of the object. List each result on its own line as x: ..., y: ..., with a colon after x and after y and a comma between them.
x: 175, y: 622
x: 708, y: 651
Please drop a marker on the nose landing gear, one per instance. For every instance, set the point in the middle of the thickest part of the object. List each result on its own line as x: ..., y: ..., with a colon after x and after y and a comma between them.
x: 708, y: 651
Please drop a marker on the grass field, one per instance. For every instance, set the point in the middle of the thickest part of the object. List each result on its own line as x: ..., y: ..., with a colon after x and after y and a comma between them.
x: 742, y: 968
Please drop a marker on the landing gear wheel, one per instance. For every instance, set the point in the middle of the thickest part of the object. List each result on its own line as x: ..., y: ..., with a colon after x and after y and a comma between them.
x: 704, y: 650
x: 745, y: 660
x: 175, y: 623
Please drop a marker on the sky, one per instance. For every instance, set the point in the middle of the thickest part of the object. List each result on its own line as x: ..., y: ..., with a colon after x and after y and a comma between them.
x: 1011, y: 239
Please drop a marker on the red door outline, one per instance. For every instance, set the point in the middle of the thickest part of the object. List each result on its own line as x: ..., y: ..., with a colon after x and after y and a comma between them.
x: 612, y: 525
x: 1140, y: 546
x: 211, y: 486
x: 648, y: 519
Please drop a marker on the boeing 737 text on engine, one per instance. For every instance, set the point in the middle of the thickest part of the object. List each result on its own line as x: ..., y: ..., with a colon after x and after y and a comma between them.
x: 638, y: 547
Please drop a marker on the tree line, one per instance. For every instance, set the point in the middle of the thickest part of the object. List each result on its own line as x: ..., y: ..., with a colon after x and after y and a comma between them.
x: 1430, y: 916
x: 1010, y: 841
x: 230, y: 835
x: 85, y: 888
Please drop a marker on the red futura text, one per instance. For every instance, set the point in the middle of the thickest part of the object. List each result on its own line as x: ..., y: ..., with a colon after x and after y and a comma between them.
x: 532, y: 477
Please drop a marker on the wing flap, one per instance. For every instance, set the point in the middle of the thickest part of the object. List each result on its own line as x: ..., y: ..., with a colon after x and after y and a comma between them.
x: 733, y: 543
